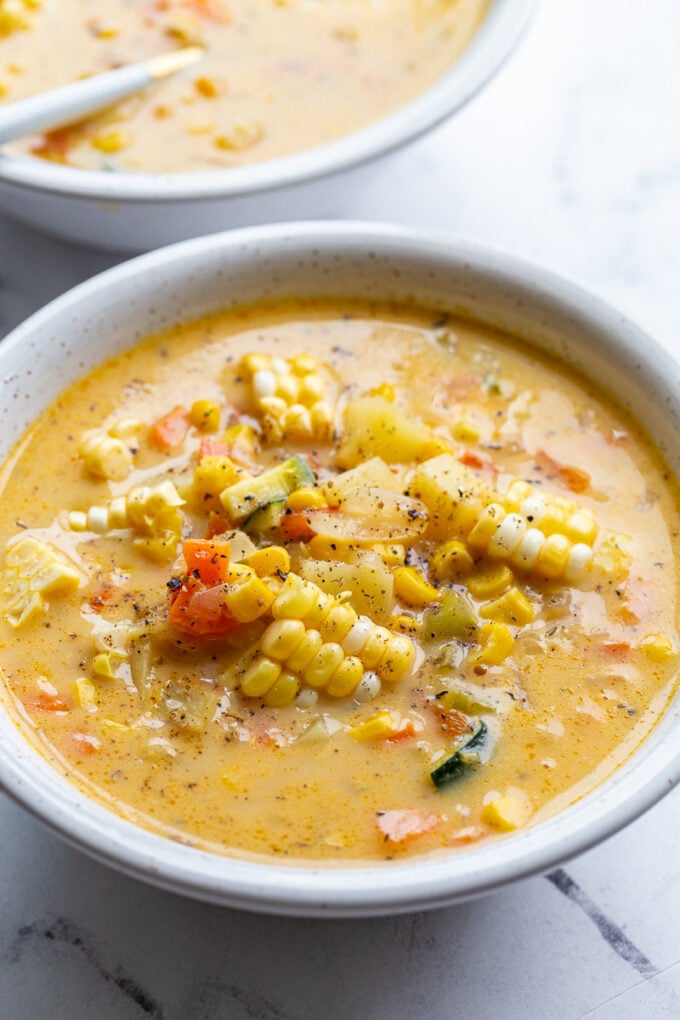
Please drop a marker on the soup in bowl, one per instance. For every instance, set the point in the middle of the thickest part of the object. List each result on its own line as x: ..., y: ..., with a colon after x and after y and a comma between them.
x: 286, y: 96
x: 340, y: 587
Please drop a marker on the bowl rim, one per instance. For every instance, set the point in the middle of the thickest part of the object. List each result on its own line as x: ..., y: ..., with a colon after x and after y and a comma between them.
x: 503, y: 26
x: 365, y: 890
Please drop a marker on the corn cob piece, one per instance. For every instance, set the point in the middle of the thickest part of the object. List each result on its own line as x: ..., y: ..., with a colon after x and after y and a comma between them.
x: 34, y: 571
x: 323, y: 642
x: 151, y: 512
x: 106, y: 456
x: 290, y: 396
x: 550, y: 513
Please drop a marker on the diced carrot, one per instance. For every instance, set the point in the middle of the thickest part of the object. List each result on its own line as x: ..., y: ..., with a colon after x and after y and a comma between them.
x: 572, y: 477
x: 170, y: 430
x: 295, y: 526
x: 616, y: 649
x: 212, y: 448
x: 46, y: 702
x: 212, y: 10
x: 402, y: 826
x: 201, y: 611
x: 210, y: 559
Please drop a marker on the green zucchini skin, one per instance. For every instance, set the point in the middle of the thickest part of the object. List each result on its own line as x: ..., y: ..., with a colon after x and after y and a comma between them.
x: 457, y: 764
x: 244, y: 499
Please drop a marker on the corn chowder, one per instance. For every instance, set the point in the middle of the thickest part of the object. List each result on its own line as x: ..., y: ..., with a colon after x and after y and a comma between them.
x: 266, y: 596
x: 278, y: 76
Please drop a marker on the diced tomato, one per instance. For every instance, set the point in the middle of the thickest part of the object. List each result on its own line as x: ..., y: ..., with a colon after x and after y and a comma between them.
x: 210, y: 559
x: 479, y: 462
x: 404, y: 732
x: 217, y: 524
x: 295, y: 526
x: 402, y: 826
x: 212, y: 448
x: 469, y: 834
x: 571, y: 477
x: 201, y: 611
x: 170, y: 430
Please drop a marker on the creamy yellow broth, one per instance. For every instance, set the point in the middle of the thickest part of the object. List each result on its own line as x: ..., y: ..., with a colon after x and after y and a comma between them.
x: 566, y: 689
x: 278, y: 77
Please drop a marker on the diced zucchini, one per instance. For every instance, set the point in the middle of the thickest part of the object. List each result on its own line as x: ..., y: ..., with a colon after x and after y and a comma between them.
x: 466, y: 756
x: 266, y: 519
x: 453, y: 618
x: 466, y: 699
x: 244, y: 498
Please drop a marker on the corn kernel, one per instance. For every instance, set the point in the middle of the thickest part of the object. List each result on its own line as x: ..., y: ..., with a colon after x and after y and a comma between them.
x: 205, y: 415
x: 207, y: 87
x: 327, y: 547
x: 115, y: 727
x: 376, y: 728
x: 274, y: 559
x: 252, y: 363
x: 281, y: 638
x: 244, y: 134
x: 104, y: 664
x: 283, y: 691
x: 517, y: 492
x: 657, y: 647
x: 106, y: 457
x: 497, y: 643
x: 581, y: 526
x: 212, y: 475
x: 295, y: 600
x: 465, y: 432
x: 346, y: 678
x: 111, y: 141
x: 288, y: 388
x: 384, y: 390
x: 486, y: 527
x: 312, y: 390
x: 85, y: 694
x: 490, y: 582
x: 338, y: 623
x: 324, y: 664
x: 321, y: 415
x: 553, y: 556
x: 250, y: 599
x: 553, y: 519
x: 375, y: 647
x: 319, y: 609
x: 260, y: 677
x: 397, y: 662
x: 296, y: 421
x: 451, y: 560
x: 392, y: 555
x: 305, y: 499
x: 512, y: 607
x: 411, y: 587
x: 303, y: 364
x: 404, y: 623
x: 308, y: 648
x: 508, y: 812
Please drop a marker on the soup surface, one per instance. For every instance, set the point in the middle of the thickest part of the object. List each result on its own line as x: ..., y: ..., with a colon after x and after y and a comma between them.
x: 278, y: 76
x: 264, y: 595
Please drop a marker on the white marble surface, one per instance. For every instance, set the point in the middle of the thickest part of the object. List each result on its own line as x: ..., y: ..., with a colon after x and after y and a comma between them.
x: 572, y: 158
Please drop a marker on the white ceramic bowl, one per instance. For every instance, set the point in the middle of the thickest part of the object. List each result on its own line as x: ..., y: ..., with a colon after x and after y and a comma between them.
x: 111, y: 311
x: 136, y: 212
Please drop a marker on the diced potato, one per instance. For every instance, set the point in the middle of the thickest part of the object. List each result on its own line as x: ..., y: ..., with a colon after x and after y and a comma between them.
x: 371, y: 587
x: 454, y: 496
x: 373, y: 472
x: 509, y: 811
x: 373, y: 427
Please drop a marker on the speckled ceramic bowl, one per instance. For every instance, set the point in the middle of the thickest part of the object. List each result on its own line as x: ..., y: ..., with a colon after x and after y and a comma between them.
x: 135, y: 212
x: 111, y: 311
